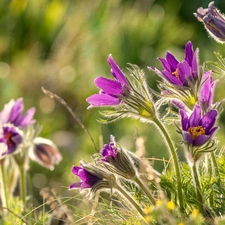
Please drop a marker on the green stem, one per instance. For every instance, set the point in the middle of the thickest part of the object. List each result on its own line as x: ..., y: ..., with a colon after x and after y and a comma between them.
x: 198, y: 189
x: 4, y: 193
x: 173, y: 154
x: 130, y: 199
x: 145, y: 189
x: 23, y: 186
x: 215, y: 165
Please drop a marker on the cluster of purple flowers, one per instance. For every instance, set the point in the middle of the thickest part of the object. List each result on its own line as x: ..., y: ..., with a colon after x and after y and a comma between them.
x: 13, y: 126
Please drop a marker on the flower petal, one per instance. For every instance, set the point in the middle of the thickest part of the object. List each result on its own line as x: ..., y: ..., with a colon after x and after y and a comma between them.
x: 165, y: 65
x: 209, y: 120
x: 172, y: 61
x: 189, y: 53
x: 76, y: 169
x: 187, y: 137
x: 27, y: 119
x: 102, y: 100
x: 184, y: 72
x: 116, y: 71
x: 171, y: 78
x: 200, y: 140
x: 195, y: 116
x: 112, y: 87
x: 75, y: 185
x: 184, y: 120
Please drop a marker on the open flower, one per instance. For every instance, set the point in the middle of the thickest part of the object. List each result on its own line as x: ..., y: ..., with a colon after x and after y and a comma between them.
x: 198, y: 129
x: 111, y: 90
x: 45, y: 153
x: 213, y: 21
x: 180, y: 73
x: 10, y: 138
x: 12, y: 114
x: 88, y: 178
x: 207, y: 91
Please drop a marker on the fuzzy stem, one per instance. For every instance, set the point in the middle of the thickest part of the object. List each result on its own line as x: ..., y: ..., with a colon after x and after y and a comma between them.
x: 216, y: 168
x: 174, y: 157
x: 23, y: 185
x: 198, y: 191
x: 145, y: 189
x: 4, y: 193
x: 130, y: 199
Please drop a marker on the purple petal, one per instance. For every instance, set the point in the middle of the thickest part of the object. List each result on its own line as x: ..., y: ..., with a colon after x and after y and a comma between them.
x: 209, y: 120
x: 205, y: 92
x: 165, y: 65
x: 116, y: 71
x: 171, y: 78
x: 200, y: 140
x: 213, y: 131
x: 189, y: 53
x: 27, y: 119
x: 113, y: 87
x: 184, y: 120
x: 102, y: 100
x: 172, y: 61
x: 76, y: 169
x: 195, y: 116
x: 195, y: 64
x: 75, y: 185
x: 187, y: 137
x: 16, y: 110
x: 184, y: 72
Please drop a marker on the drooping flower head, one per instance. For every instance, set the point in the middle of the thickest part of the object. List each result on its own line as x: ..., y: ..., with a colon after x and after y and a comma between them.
x: 45, y: 152
x: 198, y: 128
x: 87, y: 178
x: 110, y: 150
x: 207, y: 91
x: 10, y: 138
x: 180, y: 73
x: 213, y: 21
x: 118, y: 160
x: 12, y: 114
x: 110, y: 90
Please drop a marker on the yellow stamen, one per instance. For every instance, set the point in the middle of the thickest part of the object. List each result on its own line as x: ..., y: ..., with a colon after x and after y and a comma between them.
x: 175, y: 73
x: 196, y: 131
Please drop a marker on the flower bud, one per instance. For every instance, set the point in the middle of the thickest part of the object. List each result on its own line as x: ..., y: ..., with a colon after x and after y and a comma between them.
x: 45, y: 153
x: 213, y: 21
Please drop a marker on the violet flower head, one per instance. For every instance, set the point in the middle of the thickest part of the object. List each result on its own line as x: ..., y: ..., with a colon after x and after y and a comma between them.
x: 10, y: 138
x: 12, y: 114
x: 180, y: 73
x: 88, y: 179
x: 207, y: 91
x: 198, y: 129
x: 45, y: 153
x: 213, y: 21
x: 110, y: 150
x: 110, y: 90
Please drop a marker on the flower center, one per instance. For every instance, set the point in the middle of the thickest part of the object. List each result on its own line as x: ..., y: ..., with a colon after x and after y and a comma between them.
x: 8, y: 137
x: 196, y: 131
x: 175, y: 73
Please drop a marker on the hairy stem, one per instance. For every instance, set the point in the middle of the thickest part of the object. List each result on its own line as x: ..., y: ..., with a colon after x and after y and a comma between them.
x: 145, y: 189
x: 130, y: 199
x: 23, y: 187
x: 174, y: 157
x: 198, y: 191
x: 4, y: 192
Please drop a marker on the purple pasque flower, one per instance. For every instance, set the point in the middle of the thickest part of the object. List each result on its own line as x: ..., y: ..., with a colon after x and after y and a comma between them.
x: 10, y: 138
x: 206, y: 91
x: 88, y: 178
x: 45, y: 152
x: 110, y: 150
x: 213, y: 21
x: 12, y: 114
x: 179, y: 73
x: 110, y: 90
x: 198, y: 128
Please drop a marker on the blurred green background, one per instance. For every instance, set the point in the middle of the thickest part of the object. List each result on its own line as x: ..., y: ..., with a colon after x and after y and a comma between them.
x: 63, y: 45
